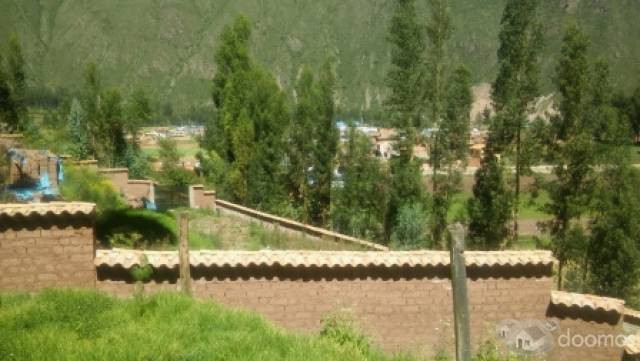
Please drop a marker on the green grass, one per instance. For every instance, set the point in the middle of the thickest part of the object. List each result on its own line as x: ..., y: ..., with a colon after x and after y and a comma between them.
x: 86, y: 325
x: 208, y: 230
x: 634, y: 151
x: 185, y: 149
x: 530, y: 207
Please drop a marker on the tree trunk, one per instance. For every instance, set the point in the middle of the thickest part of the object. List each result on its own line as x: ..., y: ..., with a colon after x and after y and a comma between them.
x: 560, y: 269
x: 516, y: 205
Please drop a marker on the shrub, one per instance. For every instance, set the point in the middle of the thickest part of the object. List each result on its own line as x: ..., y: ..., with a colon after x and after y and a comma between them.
x: 87, y: 185
x: 135, y: 228
x: 411, y: 230
x: 489, y: 351
x: 339, y: 327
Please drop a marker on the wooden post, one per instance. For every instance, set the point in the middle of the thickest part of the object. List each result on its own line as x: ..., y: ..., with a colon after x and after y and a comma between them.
x: 460, y: 296
x: 183, y: 253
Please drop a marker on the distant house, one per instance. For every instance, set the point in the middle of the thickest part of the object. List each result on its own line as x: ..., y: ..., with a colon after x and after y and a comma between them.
x: 385, y: 142
x: 477, y: 150
x: 421, y: 152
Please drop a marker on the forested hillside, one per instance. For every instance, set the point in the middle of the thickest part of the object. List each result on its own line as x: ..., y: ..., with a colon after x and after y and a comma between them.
x: 167, y: 46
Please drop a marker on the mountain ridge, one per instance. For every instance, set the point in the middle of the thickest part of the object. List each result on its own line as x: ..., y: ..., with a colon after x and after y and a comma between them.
x: 167, y: 46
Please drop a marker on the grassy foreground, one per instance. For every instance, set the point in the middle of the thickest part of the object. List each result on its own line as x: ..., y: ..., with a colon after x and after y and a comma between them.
x: 86, y: 325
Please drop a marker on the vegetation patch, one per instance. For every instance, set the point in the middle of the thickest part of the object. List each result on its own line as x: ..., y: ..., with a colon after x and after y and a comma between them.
x: 85, y: 325
x: 88, y: 325
x: 136, y: 228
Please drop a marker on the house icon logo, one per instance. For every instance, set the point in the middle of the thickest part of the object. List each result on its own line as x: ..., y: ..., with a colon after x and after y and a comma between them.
x: 527, y: 337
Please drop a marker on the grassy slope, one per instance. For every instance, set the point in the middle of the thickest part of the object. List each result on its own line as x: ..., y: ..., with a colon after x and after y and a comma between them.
x: 222, y: 231
x: 84, y: 325
x: 168, y: 45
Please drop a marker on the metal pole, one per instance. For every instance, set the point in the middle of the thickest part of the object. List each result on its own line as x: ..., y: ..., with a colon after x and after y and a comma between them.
x: 183, y: 253
x: 460, y: 296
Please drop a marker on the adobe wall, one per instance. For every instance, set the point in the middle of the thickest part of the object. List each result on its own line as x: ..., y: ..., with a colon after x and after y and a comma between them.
x: 140, y: 189
x: 59, y: 252
x: 11, y: 140
x: 401, y: 308
x: 133, y: 190
x: 580, y: 329
x: 119, y: 176
x: 199, y: 198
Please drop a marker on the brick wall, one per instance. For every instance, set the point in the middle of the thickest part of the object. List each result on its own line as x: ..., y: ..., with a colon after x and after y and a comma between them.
x: 586, y: 326
x: 57, y: 253
x: 134, y: 190
x: 403, y: 308
x: 118, y: 176
x: 141, y: 189
x: 11, y: 140
x: 200, y: 198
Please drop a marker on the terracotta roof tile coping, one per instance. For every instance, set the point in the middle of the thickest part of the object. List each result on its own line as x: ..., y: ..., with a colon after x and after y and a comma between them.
x: 587, y: 301
x: 632, y: 316
x: 57, y: 208
x: 129, y: 258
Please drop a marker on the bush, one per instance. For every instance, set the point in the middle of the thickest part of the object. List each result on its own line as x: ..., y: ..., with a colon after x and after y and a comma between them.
x: 490, y: 352
x: 340, y: 328
x: 135, y: 228
x: 412, y: 227
x: 87, y: 185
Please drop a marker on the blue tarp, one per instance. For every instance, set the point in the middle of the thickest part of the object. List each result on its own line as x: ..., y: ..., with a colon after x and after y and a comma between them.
x: 42, y: 186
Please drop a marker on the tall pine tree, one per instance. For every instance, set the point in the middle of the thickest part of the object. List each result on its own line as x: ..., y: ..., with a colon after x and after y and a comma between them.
x: 326, y: 139
x: 572, y: 152
x: 9, y: 119
x: 78, y: 132
x: 355, y: 211
x: 438, y: 32
x: 17, y: 80
x: 405, y: 106
x: 490, y: 207
x: 405, y: 77
x: 90, y: 102
x: 516, y: 85
x: 301, y: 143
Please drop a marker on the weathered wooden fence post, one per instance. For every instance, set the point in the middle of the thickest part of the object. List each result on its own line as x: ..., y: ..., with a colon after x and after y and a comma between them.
x: 460, y: 295
x: 183, y: 253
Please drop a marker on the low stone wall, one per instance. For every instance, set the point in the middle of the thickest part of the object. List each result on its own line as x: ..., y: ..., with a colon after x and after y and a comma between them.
x: 141, y: 189
x: 289, y: 224
x: 135, y: 191
x: 46, y: 245
x: 11, y: 140
x: 89, y: 163
x: 199, y: 198
x: 118, y: 176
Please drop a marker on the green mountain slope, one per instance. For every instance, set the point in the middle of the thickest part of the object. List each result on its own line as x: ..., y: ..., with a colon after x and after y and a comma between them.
x: 167, y: 45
